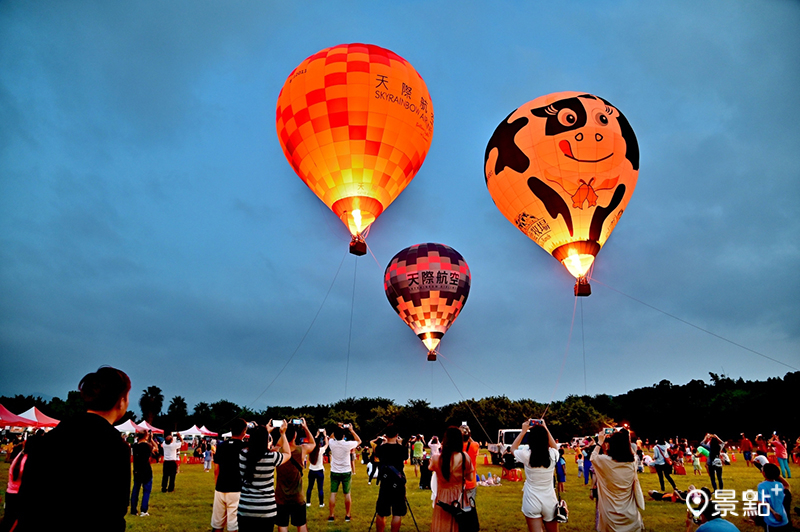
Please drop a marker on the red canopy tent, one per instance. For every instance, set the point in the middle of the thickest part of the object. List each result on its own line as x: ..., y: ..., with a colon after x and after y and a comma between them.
x: 41, y: 420
x: 7, y: 419
x: 207, y: 432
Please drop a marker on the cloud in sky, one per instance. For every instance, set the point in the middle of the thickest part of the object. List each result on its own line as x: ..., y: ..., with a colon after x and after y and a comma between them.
x: 149, y: 220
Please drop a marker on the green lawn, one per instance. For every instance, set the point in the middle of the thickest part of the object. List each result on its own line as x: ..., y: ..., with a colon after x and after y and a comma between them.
x: 189, y: 507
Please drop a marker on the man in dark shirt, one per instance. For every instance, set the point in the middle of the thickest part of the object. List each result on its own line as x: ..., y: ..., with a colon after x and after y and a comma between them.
x: 228, y: 482
x: 144, y: 449
x: 392, y: 495
x: 85, y: 486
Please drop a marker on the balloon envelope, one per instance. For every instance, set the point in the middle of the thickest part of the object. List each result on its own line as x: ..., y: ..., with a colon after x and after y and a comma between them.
x: 355, y: 121
x: 428, y: 285
x: 562, y: 169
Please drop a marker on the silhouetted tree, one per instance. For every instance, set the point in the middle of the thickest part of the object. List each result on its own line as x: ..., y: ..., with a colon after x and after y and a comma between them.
x: 151, y: 402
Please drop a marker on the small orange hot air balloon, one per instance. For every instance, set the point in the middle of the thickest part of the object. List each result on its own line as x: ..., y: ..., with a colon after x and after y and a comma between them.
x: 562, y: 168
x: 355, y: 121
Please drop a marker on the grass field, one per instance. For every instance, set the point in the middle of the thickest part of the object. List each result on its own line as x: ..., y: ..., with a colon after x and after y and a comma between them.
x: 189, y: 507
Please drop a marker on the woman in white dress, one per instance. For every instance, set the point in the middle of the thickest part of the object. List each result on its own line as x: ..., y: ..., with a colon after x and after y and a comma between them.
x: 538, y: 494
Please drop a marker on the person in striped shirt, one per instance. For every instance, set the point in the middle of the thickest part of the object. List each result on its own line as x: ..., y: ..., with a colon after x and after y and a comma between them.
x: 257, y: 463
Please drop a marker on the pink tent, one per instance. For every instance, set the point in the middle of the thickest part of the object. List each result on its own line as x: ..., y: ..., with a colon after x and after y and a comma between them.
x: 7, y: 419
x: 128, y: 426
x: 207, y: 432
x: 147, y: 426
x: 194, y: 431
x: 41, y: 419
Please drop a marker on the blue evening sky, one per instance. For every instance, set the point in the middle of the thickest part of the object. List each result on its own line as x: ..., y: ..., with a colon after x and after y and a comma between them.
x: 149, y: 220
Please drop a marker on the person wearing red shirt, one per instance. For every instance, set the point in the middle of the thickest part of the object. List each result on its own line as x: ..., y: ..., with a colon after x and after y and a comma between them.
x: 471, y: 447
x: 747, y: 450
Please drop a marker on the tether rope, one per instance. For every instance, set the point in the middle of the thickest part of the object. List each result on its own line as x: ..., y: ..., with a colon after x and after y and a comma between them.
x: 299, y: 344
x: 564, y: 359
x: 696, y: 326
x: 350, y: 333
x: 583, y: 344
x: 463, y: 399
x: 471, y: 375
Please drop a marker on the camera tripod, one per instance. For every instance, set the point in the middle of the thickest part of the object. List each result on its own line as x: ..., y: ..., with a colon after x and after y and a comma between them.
x: 409, y: 510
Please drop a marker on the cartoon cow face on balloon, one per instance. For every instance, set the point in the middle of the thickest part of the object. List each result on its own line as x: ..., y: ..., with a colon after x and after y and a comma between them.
x: 576, y: 154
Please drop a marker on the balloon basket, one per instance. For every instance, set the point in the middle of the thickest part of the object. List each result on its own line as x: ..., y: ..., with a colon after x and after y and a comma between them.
x: 432, y: 356
x: 358, y: 247
x: 582, y: 288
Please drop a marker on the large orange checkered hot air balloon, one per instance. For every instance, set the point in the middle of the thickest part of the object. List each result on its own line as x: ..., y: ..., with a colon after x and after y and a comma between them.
x: 562, y: 168
x: 428, y: 285
x: 355, y: 122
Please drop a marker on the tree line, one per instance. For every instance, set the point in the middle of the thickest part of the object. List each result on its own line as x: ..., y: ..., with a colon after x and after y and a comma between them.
x: 722, y: 405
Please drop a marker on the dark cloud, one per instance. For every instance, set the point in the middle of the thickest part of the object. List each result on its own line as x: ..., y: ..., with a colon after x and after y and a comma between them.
x: 149, y: 220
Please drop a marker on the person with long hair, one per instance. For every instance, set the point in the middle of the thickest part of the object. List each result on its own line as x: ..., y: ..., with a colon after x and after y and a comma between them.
x: 714, y: 462
x: 781, y: 454
x: 452, y: 466
x: 663, y: 469
x: 619, y: 495
x: 257, y: 463
x: 538, y: 496
x: 316, y: 468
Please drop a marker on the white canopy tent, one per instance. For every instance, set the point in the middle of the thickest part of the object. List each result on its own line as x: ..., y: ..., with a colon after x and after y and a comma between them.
x: 194, y: 431
x: 128, y: 426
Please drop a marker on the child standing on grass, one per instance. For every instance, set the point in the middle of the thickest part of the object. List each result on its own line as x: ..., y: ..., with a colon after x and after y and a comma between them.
x: 207, y: 459
x: 561, y: 471
x: 696, y: 464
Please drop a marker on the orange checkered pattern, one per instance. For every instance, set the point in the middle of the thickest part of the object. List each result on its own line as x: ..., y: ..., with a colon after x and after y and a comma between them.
x: 355, y: 121
x: 428, y: 285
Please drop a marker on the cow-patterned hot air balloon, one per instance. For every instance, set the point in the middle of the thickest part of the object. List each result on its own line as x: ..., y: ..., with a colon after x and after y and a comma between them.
x: 355, y: 122
x: 562, y: 168
x: 428, y: 285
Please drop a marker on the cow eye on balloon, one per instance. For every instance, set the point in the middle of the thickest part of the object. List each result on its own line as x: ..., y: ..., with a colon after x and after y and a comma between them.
x: 562, y: 168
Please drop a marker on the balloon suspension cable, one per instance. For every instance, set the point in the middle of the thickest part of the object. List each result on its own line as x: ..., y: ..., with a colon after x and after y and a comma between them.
x: 463, y: 400
x: 374, y: 257
x: 326, y: 212
x: 470, y: 374
x: 298, y: 345
x: 564, y: 359
x: 715, y: 335
x: 583, y: 345
x: 350, y: 333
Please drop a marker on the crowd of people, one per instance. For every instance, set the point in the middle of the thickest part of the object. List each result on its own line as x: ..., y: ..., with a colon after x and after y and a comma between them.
x: 259, y: 473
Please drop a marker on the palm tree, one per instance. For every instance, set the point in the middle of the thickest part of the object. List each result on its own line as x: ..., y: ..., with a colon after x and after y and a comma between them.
x: 177, y: 412
x: 151, y: 402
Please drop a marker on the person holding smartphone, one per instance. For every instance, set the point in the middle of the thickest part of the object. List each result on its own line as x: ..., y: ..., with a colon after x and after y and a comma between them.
x: 538, y: 495
x: 257, y: 462
x: 144, y: 449
x: 341, y: 472
x: 619, y: 495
